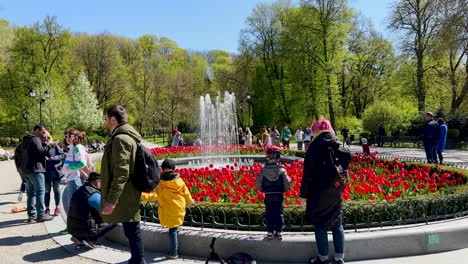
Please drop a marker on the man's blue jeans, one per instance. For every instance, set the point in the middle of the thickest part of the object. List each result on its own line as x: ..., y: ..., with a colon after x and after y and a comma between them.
x: 431, y: 152
x: 321, y: 239
x: 68, y: 192
x: 35, y: 189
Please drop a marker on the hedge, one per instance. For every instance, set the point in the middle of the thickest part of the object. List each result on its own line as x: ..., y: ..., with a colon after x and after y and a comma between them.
x: 357, y: 214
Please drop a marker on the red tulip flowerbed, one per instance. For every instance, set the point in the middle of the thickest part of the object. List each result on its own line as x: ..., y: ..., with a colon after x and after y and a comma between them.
x: 370, y: 179
x: 190, y: 151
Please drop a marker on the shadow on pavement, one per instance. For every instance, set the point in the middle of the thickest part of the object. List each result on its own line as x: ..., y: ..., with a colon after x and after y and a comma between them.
x: 9, y: 193
x: 18, y: 240
x: 5, y: 203
x: 16, y: 222
x: 48, y: 254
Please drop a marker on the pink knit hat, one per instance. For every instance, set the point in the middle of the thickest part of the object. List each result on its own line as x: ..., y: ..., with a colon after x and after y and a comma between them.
x: 321, y: 125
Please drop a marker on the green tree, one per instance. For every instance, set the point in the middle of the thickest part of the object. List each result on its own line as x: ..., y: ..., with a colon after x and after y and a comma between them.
x: 419, y: 20
x: 37, y: 61
x: 85, y: 114
x: 262, y: 37
x: 395, y: 119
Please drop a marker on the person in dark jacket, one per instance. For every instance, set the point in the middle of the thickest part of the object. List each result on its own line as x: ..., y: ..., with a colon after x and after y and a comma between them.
x: 83, y: 220
x: 274, y: 182
x: 54, y: 158
x: 442, y: 139
x: 325, y: 175
x: 345, y: 133
x: 380, y: 135
x: 430, y: 138
x: 120, y: 199
x: 35, y: 167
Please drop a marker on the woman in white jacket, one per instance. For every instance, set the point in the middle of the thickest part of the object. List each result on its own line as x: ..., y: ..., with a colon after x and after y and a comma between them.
x: 76, y: 159
x: 248, y: 137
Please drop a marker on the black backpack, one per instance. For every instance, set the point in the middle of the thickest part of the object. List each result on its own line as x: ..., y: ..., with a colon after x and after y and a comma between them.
x: 146, y: 174
x: 21, y: 155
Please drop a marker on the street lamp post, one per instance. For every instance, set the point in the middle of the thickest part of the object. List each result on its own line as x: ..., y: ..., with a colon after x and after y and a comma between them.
x: 249, y: 102
x: 242, y: 113
x: 32, y: 93
x: 154, y: 134
x: 164, y: 130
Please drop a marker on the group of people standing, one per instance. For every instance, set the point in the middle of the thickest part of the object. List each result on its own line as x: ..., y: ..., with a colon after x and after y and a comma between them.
x: 43, y: 165
x: 94, y: 202
x: 434, y: 138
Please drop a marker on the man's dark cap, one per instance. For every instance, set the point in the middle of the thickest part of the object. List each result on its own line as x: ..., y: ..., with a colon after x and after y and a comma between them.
x: 94, y: 176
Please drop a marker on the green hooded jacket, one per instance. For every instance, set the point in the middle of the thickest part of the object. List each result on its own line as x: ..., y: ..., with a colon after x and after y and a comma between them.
x: 118, y: 162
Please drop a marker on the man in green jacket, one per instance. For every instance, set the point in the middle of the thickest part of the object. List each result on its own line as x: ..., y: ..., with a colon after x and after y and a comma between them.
x: 120, y: 199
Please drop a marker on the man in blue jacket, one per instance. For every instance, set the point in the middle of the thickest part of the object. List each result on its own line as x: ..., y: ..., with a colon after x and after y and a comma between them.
x: 84, y: 222
x: 431, y: 136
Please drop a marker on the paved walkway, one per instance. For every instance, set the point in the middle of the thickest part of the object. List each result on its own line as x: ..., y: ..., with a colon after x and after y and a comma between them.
x: 451, y: 155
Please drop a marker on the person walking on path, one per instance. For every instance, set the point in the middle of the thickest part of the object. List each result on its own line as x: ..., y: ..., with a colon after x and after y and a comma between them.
x: 431, y: 137
x: 173, y: 196
x: 84, y: 222
x: 307, y: 138
x: 248, y: 137
x: 286, y: 136
x: 266, y: 140
x: 176, y: 138
x: 325, y: 176
x: 275, y: 136
x: 299, y: 137
x: 345, y: 134
x: 74, y: 162
x: 54, y: 157
x: 120, y: 198
x: 380, y: 135
x: 35, y: 168
x: 273, y: 180
x: 240, y: 136
x: 442, y: 139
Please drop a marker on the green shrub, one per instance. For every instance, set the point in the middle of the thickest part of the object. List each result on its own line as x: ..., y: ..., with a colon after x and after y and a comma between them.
x: 186, y: 127
x: 357, y: 214
x: 92, y: 137
x: 351, y: 122
x: 453, y: 133
x: 395, y: 119
x: 365, y: 134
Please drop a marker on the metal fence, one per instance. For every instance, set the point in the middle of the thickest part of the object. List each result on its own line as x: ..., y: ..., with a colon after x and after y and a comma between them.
x: 357, y: 215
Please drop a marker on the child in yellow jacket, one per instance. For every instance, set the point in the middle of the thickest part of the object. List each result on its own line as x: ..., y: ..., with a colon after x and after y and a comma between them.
x: 173, y: 196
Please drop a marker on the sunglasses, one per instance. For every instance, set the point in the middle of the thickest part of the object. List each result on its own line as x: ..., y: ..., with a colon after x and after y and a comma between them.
x: 69, y: 136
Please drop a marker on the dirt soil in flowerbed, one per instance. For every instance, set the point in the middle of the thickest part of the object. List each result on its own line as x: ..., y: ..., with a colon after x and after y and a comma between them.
x: 370, y: 178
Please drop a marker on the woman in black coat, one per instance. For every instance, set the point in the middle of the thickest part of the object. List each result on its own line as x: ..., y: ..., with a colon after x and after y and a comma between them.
x: 325, y: 175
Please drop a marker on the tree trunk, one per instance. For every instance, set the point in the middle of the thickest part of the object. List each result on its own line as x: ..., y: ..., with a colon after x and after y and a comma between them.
x: 420, y: 88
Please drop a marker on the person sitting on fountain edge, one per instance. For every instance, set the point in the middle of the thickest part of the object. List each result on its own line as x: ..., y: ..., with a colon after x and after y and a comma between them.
x: 173, y: 196
x: 274, y: 182
x: 83, y: 220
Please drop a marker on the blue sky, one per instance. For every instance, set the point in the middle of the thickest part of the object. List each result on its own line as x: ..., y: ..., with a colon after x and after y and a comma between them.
x: 193, y: 24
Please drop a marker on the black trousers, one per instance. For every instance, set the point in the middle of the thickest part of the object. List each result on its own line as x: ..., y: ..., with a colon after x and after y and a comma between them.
x: 274, y: 214
x: 132, y: 231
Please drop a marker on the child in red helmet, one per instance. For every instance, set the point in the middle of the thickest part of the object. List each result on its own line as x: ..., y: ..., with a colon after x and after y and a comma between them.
x: 274, y: 182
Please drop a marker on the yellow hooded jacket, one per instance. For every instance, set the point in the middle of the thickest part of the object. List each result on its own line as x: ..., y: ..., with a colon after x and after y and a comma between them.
x: 173, y: 196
